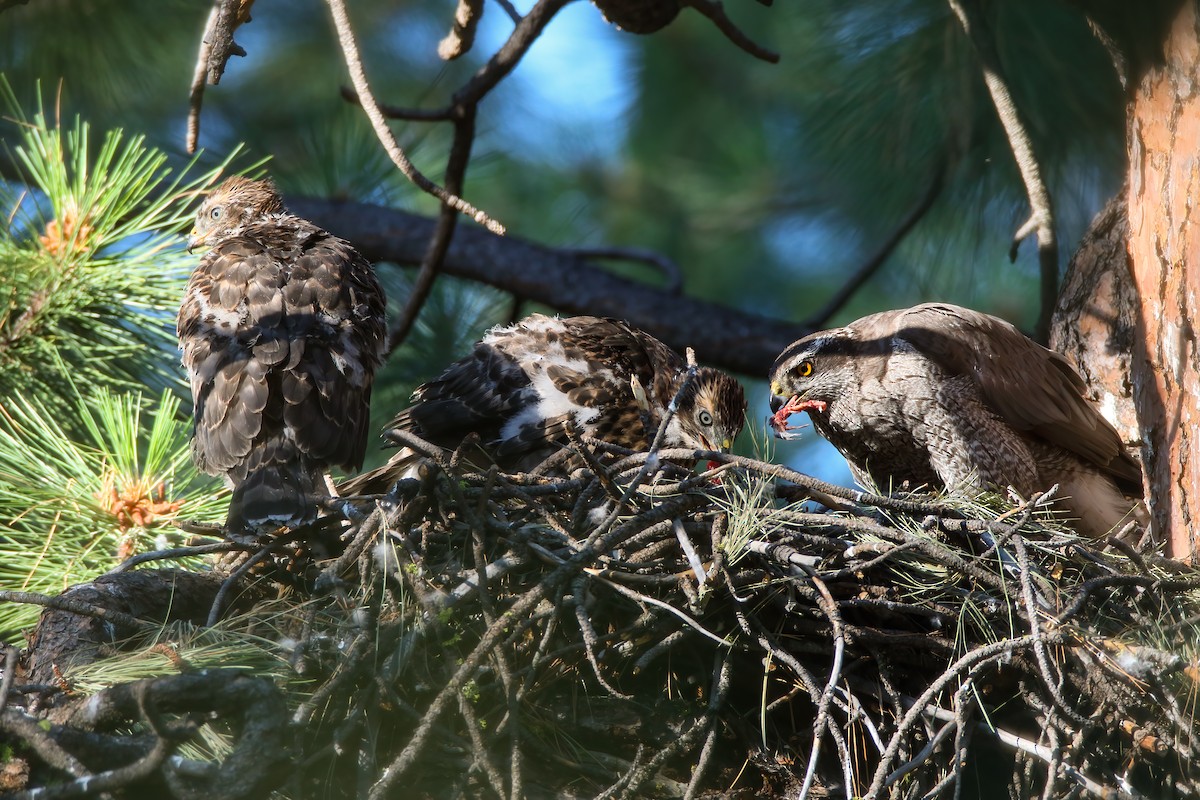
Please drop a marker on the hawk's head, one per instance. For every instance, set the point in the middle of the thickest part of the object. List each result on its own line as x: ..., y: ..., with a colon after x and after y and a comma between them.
x: 235, y: 203
x: 712, y: 412
x: 811, y: 374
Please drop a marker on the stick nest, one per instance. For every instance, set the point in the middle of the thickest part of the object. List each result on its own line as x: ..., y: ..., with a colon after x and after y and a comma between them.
x: 635, y: 630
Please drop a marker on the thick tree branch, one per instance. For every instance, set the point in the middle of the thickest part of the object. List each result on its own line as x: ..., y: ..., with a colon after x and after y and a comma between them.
x: 1041, y: 218
x: 722, y: 336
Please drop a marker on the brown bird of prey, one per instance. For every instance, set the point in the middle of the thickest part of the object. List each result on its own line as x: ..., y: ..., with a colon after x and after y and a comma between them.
x: 523, y: 384
x: 940, y: 395
x: 282, y: 328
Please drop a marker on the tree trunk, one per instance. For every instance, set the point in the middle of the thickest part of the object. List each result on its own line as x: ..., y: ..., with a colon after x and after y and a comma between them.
x: 1095, y: 319
x: 1164, y: 248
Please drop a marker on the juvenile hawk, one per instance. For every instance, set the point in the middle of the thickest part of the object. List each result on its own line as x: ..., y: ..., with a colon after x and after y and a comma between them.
x: 945, y: 396
x: 282, y: 328
x: 524, y: 383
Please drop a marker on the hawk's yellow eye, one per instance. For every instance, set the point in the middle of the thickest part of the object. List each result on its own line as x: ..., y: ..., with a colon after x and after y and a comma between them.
x: 805, y: 369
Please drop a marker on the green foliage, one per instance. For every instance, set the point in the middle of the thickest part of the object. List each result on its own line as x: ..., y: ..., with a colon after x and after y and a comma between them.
x: 72, y: 507
x: 91, y: 260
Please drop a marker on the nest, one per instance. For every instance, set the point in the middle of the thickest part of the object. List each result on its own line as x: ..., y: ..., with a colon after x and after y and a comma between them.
x: 636, y: 629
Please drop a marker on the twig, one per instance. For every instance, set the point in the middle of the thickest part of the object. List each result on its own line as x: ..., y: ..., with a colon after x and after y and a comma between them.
x: 365, y: 532
x: 821, y: 318
x: 1041, y: 217
x: 1052, y: 682
x: 235, y: 577
x: 200, y: 80
x: 118, y: 618
x: 174, y: 553
x: 841, y: 492
x: 822, y: 722
x: 353, y: 658
x: 666, y: 266
x: 590, y: 640
x: 922, y: 756
x: 967, y: 661
x: 462, y: 34
x: 528, y: 29
x: 27, y: 729
x: 479, y: 747
x: 345, y: 33
x: 1038, y: 751
x: 431, y: 264
x: 643, y: 598
x: 511, y: 623
x: 11, y: 654
x: 651, y: 463
x: 216, y: 47
x: 716, y: 12
x: 718, y: 692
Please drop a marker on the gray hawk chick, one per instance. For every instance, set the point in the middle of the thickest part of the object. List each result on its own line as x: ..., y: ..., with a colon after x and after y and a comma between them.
x: 941, y: 395
x: 282, y: 328
x: 523, y: 384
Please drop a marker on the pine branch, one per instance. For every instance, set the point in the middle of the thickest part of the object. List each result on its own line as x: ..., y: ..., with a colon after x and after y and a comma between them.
x: 722, y: 336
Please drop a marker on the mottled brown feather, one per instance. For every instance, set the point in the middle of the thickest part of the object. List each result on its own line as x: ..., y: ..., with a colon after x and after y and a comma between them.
x: 523, y: 384
x: 282, y: 329
x: 943, y: 394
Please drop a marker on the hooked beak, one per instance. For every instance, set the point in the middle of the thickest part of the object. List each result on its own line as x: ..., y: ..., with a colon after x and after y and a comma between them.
x: 778, y: 398
x: 195, y: 239
x: 721, y: 447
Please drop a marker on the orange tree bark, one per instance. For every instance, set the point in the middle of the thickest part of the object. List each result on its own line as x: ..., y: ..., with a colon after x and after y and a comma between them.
x: 1164, y: 248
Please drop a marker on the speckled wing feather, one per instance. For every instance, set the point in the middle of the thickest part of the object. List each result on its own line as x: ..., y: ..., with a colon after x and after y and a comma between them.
x: 281, y: 329
x: 524, y: 383
x: 1032, y: 388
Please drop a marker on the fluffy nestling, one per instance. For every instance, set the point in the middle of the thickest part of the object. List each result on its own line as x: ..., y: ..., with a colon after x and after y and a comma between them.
x: 282, y: 329
x: 524, y: 383
x: 941, y: 395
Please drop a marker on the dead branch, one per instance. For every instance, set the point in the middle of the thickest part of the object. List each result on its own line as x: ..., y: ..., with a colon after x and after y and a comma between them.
x: 216, y: 48
x: 834, y: 304
x: 345, y: 33
x: 1041, y: 218
x: 462, y: 35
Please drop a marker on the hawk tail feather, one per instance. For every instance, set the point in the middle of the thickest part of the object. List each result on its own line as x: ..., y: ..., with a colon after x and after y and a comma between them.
x: 276, y: 495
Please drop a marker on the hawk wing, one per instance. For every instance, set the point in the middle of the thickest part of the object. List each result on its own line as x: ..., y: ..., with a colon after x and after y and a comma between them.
x: 281, y: 331
x: 1032, y: 388
x: 523, y: 384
